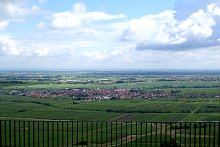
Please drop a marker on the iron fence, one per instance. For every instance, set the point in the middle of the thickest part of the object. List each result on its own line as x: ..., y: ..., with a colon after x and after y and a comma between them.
x: 98, y: 134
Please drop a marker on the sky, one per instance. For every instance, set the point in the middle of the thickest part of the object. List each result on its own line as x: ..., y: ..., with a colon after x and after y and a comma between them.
x: 104, y: 34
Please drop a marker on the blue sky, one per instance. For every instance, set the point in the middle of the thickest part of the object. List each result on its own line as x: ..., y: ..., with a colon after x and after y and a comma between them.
x: 103, y: 34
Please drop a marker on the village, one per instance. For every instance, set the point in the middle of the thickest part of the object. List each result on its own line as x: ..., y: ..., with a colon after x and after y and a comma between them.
x: 91, y: 94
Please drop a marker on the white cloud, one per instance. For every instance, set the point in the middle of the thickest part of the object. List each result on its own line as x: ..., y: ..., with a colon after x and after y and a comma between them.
x: 3, y: 24
x: 103, y: 55
x: 42, y: 52
x: 199, y: 24
x: 142, y: 29
x: 116, y: 52
x: 42, y: 1
x: 185, y: 8
x: 164, y: 32
x: 41, y: 25
x: 27, y: 48
x: 214, y: 9
x: 79, y: 16
x: 16, y: 9
x: 96, y: 55
x: 79, y: 8
x: 45, y: 54
x: 8, y: 46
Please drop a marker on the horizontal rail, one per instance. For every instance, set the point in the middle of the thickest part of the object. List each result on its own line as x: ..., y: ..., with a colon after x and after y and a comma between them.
x: 108, y: 133
x: 52, y: 120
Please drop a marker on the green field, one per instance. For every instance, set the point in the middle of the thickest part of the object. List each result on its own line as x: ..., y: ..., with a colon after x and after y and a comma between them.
x: 20, y: 107
x: 195, y: 96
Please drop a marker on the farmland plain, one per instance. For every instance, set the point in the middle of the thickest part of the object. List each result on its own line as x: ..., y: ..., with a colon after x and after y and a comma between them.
x: 105, y: 108
x: 192, y: 96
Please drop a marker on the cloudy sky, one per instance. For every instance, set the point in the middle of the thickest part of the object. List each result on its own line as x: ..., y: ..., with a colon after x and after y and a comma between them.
x: 109, y: 34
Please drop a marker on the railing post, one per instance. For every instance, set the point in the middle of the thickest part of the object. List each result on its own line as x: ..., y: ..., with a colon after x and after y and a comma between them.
x: 29, y: 134
x: 87, y: 134
x: 1, y: 133
x: 24, y: 132
x: 180, y: 133
x: 52, y: 133
x: 161, y: 132
x: 175, y: 132
x: 72, y: 134
x: 58, y: 133
x: 218, y: 133
x: 48, y: 138
x: 165, y: 131
x: 190, y: 131
x: 156, y: 132
x: 136, y: 133
x: 171, y: 124
x: 214, y: 135
x: 195, y: 125
x: 14, y: 133
x: 141, y: 135
x: 204, y: 133
x: 146, y: 134
x: 77, y: 133
x: 126, y: 133
x: 43, y: 134
x: 33, y: 123
x: 62, y: 134
x: 185, y: 133
x: 106, y: 133
x: 209, y: 134
x: 10, y: 133
x: 116, y: 132
x: 96, y: 124
x: 121, y: 134
x: 101, y: 134
x: 91, y: 123
x: 82, y: 130
x: 111, y: 133
x: 200, y: 133
x: 38, y: 133
x: 19, y: 131
x: 131, y: 135
x: 151, y: 138
x: 67, y: 135
x: 5, y: 133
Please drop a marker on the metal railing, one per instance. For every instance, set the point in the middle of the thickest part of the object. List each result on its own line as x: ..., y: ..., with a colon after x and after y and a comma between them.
x: 97, y: 133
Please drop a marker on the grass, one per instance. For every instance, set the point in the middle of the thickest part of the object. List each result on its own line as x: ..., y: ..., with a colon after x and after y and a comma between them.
x: 150, y: 83
x: 117, y: 110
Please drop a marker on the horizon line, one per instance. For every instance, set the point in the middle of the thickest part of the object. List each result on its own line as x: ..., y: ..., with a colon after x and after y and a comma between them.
x: 16, y: 70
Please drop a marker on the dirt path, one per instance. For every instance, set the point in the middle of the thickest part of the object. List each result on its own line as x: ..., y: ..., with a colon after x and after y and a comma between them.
x: 194, y: 110
x: 120, y: 117
x: 129, y: 138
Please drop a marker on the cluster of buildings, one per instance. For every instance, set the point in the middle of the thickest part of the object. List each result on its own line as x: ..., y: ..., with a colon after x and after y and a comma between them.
x: 92, y: 94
